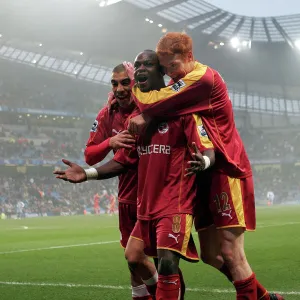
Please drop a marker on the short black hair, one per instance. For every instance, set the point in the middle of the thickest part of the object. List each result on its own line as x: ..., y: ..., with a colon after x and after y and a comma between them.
x: 119, y: 68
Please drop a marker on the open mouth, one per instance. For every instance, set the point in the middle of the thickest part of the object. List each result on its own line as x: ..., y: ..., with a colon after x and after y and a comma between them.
x: 142, y: 79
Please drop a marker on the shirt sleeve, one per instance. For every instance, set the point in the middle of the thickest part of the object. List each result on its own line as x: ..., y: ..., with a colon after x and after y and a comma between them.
x: 195, y: 133
x: 126, y: 157
x: 191, y: 94
x: 97, y: 146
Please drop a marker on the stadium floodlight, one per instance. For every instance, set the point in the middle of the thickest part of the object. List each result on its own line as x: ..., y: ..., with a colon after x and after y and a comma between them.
x: 159, y: 25
x: 102, y: 3
x: 222, y: 44
x: 238, y: 50
x: 81, y: 53
x: 216, y: 47
x: 0, y: 35
x: 150, y: 21
x: 235, y: 42
x: 40, y: 44
x: 297, y: 44
x: 147, y: 20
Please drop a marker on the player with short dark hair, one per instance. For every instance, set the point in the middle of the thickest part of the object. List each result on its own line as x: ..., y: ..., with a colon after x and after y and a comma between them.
x: 108, y: 133
x: 230, y: 209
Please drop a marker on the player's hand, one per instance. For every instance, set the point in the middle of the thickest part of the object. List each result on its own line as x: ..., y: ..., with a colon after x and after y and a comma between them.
x: 138, y: 124
x: 122, y: 140
x: 130, y: 70
x: 74, y: 174
x: 198, y: 164
x: 111, y: 101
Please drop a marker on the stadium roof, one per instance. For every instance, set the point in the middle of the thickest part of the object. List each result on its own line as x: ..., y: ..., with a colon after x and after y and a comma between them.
x: 199, y: 15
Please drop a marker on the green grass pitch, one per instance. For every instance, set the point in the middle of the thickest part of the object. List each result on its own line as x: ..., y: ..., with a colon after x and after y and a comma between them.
x: 79, y: 257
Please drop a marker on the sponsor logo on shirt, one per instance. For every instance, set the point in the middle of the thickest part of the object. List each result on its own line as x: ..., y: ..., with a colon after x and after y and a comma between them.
x: 176, y: 87
x: 116, y: 131
x: 163, y: 128
x: 154, y: 149
x: 202, y: 130
x: 95, y: 126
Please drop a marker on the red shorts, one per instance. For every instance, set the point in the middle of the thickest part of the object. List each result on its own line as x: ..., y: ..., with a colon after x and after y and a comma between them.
x: 127, y: 220
x: 230, y: 203
x: 171, y: 233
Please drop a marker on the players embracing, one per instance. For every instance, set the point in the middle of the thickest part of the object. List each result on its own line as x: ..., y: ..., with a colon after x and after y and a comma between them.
x: 227, y: 207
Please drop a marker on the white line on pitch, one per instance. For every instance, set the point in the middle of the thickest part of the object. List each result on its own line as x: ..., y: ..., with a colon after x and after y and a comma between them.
x: 59, y: 247
x: 121, y: 287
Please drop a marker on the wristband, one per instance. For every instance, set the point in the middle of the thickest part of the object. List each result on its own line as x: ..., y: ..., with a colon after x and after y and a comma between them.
x: 91, y: 174
x: 207, y: 162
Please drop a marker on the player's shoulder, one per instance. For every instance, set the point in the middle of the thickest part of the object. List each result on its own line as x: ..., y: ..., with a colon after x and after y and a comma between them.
x: 103, y: 113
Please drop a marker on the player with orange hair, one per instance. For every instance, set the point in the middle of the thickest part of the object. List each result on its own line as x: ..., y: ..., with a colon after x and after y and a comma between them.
x: 230, y: 207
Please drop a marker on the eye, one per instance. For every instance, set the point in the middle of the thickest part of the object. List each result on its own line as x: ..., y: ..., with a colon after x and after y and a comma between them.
x: 148, y: 64
x: 126, y: 82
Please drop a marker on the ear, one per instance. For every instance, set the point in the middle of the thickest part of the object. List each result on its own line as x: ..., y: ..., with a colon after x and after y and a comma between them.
x: 190, y: 56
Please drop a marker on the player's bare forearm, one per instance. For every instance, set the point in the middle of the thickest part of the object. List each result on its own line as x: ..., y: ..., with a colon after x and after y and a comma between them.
x: 76, y: 174
x: 110, y: 169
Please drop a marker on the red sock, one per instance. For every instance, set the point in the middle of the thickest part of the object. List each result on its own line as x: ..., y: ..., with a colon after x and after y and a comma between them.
x: 262, y: 293
x: 224, y: 269
x: 246, y: 289
x: 182, y: 285
x: 168, y: 287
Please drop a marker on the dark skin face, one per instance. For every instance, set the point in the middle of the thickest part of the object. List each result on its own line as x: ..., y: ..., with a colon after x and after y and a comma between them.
x: 147, y: 72
x: 120, y: 83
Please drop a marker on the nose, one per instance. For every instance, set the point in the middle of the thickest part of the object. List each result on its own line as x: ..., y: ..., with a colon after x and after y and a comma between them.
x: 120, y: 88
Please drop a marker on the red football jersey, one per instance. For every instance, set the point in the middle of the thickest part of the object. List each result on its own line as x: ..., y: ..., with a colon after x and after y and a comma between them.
x: 96, y: 200
x: 202, y: 91
x: 162, y: 154
x: 105, y: 126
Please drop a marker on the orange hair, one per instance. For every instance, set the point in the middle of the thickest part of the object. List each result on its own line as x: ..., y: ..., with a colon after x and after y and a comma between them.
x: 174, y: 43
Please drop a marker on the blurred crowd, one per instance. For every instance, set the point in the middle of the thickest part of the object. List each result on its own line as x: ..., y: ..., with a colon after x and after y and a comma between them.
x: 283, y: 182
x: 272, y: 145
x: 47, y: 195
x: 49, y: 145
x: 54, y: 144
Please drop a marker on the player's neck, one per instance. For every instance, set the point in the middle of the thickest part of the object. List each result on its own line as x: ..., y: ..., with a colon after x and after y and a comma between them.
x: 159, y: 85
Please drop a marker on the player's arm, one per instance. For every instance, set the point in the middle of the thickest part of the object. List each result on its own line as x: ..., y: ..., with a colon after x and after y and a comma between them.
x: 195, y: 93
x: 122, y: 161
x: 77, y: 174
x: 200, y: 146
x: 101, y: 143
x: 189, y: 95
x: 97, y: 146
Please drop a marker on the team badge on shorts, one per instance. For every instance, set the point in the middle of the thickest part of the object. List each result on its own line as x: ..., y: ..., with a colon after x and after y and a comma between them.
x: 176, y: 226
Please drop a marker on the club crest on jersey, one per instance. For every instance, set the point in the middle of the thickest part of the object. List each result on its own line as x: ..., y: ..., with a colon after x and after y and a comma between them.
x: 202, y: 130
x: 163, y: 128
x: 95, y: 126
x: 176, y: 87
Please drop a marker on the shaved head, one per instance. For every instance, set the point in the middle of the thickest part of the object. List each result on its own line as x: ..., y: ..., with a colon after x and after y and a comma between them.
x: 119, y: 69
